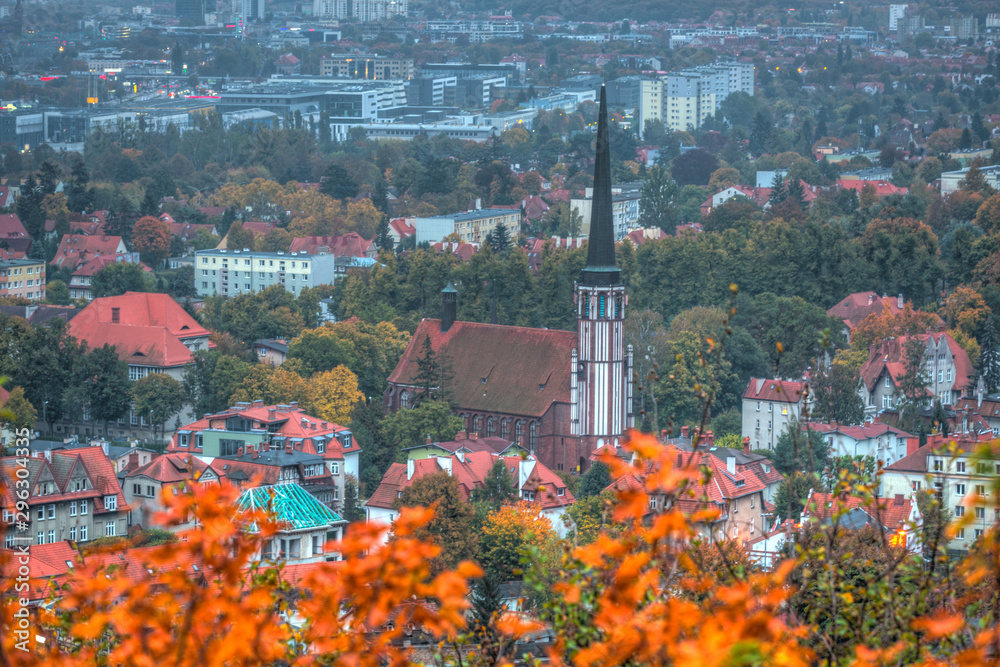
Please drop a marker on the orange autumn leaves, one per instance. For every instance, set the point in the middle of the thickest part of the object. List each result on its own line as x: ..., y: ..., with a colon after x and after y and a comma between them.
x: 636, y: 599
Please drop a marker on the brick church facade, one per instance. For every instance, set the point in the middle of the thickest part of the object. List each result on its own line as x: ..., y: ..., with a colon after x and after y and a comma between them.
x: 558, y: 394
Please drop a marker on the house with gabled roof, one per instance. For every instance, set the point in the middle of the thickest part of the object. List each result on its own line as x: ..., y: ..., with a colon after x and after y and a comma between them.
x: 144, y: 486
x: 13, y: 236
x: 882, y: 442
x: 946, y: 368
x: 534, y: 483
x: 75, y: 249
x: 769, y: 406
x: 73, y: 495
x: 80, y: 283
x: 898, y: 517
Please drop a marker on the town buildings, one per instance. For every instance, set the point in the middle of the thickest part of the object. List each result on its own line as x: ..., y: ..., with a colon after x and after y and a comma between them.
x: 682, y: 100
x: 145, y: 485
x: 80, y: 283
x: 23, y: 278
x: 366, y: 66
x: 235, y: 272
x: 897, y: 516
x: 559, y: 394
x: 624, y: 209
x: 309, y: 524
x: 769, y: 408
x: 880, y: 441
x: 471, y: 226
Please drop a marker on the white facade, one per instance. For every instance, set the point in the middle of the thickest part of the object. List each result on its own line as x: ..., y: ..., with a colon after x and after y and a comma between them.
x: 896, y: 12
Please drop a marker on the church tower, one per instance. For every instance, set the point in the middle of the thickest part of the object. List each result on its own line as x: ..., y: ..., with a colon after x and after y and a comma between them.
x: 601, y: 384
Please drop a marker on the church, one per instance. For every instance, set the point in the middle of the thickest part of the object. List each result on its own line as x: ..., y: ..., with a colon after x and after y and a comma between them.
x: 558, y: 394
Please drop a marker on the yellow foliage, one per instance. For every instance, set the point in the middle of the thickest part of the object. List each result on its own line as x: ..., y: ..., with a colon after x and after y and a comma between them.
x: 334, y: 394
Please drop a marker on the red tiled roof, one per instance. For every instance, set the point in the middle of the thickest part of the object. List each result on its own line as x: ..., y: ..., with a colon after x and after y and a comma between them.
x: 862, y: 432
x: 640, y: 236
x: 149, y: 331
x: 402, y: 227
x: 471, y: 470
x: 514, y: 370
x: 92, y: 266
x: 782, y: 391
x: 882, y: 188
x: 186, y: 231
x: 890, y: 354
x: 464, y: 251
x: 77, y: 248
x: 890, y: 512
x: 172, y: 467
x: 13, y: 233
x: 350, y: 244
x: 854, y: 308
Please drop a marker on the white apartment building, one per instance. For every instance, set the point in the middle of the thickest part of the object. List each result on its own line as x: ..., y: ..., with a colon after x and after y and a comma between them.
x: 769, y: 406
x: 683, y: 99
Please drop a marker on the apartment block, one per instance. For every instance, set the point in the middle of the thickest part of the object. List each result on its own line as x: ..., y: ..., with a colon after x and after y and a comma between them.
x: 355, y: 66
x: 231, y: 273
x: 683, y: 99
x: 471, y: 226
x: 22, y: 277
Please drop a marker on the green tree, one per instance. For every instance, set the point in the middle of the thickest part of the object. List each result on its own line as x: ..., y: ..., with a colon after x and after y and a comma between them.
x: 104, y: 378
x: 338, y: 182
x: 56, y: 292
x: 78, y: 194
x: 914, y: 382
x: 451, y: 527
x: 159, y: 397
x: 121, y: 216
x: 835, y: 389
x: 498, y: 487
x: 595, y: 480
x: 989, y: 356
x: 657, y: 205
x: 378, y: 452
x: 352, y: 510
x: 412, y: 427
x: 120, y: 277
x: 790, y: 498
x: 434, y: 376
x: 22, y: 413
x: 798, y: 450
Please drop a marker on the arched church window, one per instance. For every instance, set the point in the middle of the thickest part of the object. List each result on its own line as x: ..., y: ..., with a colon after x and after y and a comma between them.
x: 618, y: 306
x: 585, y: 298
x: 518, y: 431
x: 600, y: 306
x: 491, y: 427
x: 477, y: 424
x: 505, y: 428
x: 532, y: 436
x: 404, y: 399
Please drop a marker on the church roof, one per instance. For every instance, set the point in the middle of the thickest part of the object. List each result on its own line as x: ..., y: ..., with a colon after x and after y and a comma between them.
x: 497, y: 368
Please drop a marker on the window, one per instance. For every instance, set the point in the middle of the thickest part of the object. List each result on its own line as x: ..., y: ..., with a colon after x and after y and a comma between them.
x: 981, y: 490
x: 983, y: 468
x: 83, y: 507
x: 109, y: 529
x: 110, y: 502
x: 941, y: 375
x: 83, y: 533
x: 960, y: 489
x: 532, y: 435
x: 150, y: 491
x: 72, y: 509
x: 980, y: 512
x: 949, y: 375
x: 915, y: 486
x: 518, y: 431
x: 41, y: 512
x: 959, y: 510
x: 600, y: 306
x: 978, y: 533
x: 960, y: 466
x: 938, y: 465
x: 736, y: 532
x: 72, y: 534
x: 753, y: 525
x: 529, y: 495
x: 52, y: 511
x: 887, y: 385
x: 561, y: 492
x: 41, y: 537
x: 317, y: 545
x: 404, y: 399
x: 960, y: 534
x: 758, y: 406
x: 770, y: 407
x: 751, y: 502
x: 335, y: 468
x: 229, y: 447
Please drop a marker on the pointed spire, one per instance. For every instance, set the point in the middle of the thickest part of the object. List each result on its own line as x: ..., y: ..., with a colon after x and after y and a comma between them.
x: 601, y: 268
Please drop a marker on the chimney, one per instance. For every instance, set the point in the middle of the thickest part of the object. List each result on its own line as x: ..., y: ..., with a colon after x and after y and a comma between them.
x: 731, y: 465
x: 258, y: 403
x: 473, y: 436
x: 409, y: 469
x: 684, y: 431
x: 710, y: 438
x: 288, y: 448
x: 899, y: 301
x: 255, y: 454
x: 429, y: 438
x: 898, y: 500
x: 449, y: 306
x: 133, y: 460
x: 460, y: 435
x: 104, y: 448
x: 239, y: 453
x: 270, y: 413
x: 294, y: 406
x: 746, y: 446
x: 48, y: 455
x: 871, y: 299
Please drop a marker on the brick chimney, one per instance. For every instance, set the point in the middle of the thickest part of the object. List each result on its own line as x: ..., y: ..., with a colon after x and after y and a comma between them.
x: 258, y: 403
x: 684, y: 431
x: 133, y: 460
x: 460, y: 435
x: 428, y: 438
x: 271, y: 413
x: 710, y: 438
x: 871, y: 299
x: 255, y: 454
x: 746, y: 446
x: 239, y: 453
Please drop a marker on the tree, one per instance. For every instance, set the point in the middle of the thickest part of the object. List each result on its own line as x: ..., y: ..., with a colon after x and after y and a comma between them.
x: 352, y: 510
x: 914, y: 382
x: 434, y: 376
x: 966, y: 310
x: 335, y: 394
x: 657, y: 201
x: 56, y: 292
x: 76, y: 191
x: 760, y: 133
x: 989, y: 356
x: 151, y: 238
x: 800, y: 450
x: 506, y: 535
x: 48, y: 177
x: 835, y: 389
x: 595, y: 480
x: 694, y: 167
x: 411, y: 427
x: 498, y: 487
x: 904, y: 254
x: 177, y: 59
x: 121, y: 216
x: 120, y: 277
x: 338, y: 183
x: 240, y: 238
x: 378, y: 452
x: 22, y: 414
x: 451, y: 527
x: 499, y: 240
x: 29, y: 208
x: 158, y: 396
x: 790, y: 498
x: 105, y: 380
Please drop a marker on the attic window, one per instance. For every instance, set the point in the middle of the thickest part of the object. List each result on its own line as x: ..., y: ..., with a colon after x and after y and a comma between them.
x: 541, y: 386
x: 185, y: 327
x: 115, y: 315
x: 483, y: 380
x: 740, y: 482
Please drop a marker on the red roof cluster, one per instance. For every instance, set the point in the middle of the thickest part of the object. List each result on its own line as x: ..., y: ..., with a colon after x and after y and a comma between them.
x: 58, y: 467
x: 146, y: 329
x: 882, y: 188
x: 782, y: 391
x: 891, y: 513
x: 890, y: 356
x: 464, y: 251
x: 92, y: 266
x: 350, y: 244
x: 172, y: 467
x: 74, y: 249
x: 854, y: 308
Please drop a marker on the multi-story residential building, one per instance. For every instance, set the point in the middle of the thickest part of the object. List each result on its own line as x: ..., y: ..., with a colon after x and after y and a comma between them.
x: 152, y: 333
x: 75, y: 249
x: 144, y: 486
x: 880, y: 441
x: 471, y: 226
x: 964, y: 28
x: 896, y: 12
x: 74, y: 495
x: 366, y: 66
x: 12, y: 231
x: 235, y: 272
x: 533, y: 483
x: 80, y: 283
x: 965, y: 486
x: 285, y: 466
x: 476, y: 31
x: 769, y: 408
x: 255, y: 427
x: 683, y: 99
x: 310, y: 525
x: 952, y: 180
x: 624, y: 209
x: 22, y: 277
x: 736, y: 491
x: 946, y: 367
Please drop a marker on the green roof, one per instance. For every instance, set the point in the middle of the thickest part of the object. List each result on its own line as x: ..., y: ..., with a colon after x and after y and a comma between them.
x: 291, y: 504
